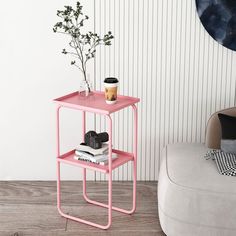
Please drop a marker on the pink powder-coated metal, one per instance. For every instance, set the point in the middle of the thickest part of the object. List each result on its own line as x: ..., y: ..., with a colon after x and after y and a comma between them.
x: 123, y: 157
x: 96, y: 104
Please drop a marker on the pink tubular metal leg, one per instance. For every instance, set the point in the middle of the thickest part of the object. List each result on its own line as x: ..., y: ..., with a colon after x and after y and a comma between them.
x: 134, y: 174
x: 109, y: 205
x: 58, y: 163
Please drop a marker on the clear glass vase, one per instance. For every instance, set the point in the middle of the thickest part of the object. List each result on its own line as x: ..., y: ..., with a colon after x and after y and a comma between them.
x: 85, y: 88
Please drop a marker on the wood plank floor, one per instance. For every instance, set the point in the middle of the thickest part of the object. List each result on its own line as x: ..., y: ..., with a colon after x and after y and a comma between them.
x: 29, y: 208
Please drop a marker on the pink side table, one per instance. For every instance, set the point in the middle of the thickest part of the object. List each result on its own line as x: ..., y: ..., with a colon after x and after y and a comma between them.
x: 96, y: 104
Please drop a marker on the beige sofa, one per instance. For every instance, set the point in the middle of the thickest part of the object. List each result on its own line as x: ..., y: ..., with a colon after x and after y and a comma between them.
x: 193, y: 198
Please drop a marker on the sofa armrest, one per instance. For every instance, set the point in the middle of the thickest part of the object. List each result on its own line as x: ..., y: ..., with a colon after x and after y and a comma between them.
x: 213, y: 130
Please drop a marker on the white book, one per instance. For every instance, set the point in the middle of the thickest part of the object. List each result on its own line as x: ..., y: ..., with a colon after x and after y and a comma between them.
x: 96, y: 158
x: 85, y: 155
x: 92, y: 151
x: 102, y: 160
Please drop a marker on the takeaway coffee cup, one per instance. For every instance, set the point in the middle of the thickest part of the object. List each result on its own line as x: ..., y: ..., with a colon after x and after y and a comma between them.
x: 111, y: 86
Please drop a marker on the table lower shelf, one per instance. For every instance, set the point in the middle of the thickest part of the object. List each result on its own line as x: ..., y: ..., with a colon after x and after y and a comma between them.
x: 123, y: 157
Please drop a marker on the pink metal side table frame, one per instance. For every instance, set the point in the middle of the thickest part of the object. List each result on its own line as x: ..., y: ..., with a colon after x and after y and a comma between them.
x: 97, y: 105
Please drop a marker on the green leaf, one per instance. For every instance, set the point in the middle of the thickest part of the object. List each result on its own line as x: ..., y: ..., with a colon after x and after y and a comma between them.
x: 72, y: 20
x: 64, y: 51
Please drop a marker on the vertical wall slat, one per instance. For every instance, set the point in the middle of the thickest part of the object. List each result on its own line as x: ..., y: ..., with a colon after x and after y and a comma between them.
x: 162, y: 54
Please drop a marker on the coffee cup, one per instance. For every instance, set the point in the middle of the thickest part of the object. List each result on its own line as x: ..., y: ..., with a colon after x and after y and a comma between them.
x: 111, y: 87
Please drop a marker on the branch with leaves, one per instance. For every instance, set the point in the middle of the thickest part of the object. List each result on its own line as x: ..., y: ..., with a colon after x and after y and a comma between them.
x: 83, y: 45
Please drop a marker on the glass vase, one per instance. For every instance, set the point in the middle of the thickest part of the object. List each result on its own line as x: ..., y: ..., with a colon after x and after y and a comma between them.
x: 85, y: 88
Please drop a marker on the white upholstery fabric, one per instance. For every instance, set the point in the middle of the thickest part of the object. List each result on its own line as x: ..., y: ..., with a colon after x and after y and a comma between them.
x: 193, y: 198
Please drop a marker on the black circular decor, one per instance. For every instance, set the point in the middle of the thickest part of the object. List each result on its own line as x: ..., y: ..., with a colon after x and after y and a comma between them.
x: 219, y: 19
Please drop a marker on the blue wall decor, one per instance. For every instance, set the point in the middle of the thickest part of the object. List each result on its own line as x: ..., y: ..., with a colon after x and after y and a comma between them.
x: 219, y: 19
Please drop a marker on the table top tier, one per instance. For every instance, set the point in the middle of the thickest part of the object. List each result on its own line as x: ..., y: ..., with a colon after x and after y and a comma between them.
x: 95, y: 103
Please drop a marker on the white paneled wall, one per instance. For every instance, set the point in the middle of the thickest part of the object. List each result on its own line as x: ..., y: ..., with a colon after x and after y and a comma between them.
x: 162, y: 54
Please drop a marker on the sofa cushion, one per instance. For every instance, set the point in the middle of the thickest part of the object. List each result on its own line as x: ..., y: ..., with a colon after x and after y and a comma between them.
x: 213, y: 130
x: 193, y: 198
x: 228, y: 128
x: 187, y: 167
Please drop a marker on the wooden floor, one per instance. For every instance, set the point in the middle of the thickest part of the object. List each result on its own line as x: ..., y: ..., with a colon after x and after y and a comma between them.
x: 29, y: 208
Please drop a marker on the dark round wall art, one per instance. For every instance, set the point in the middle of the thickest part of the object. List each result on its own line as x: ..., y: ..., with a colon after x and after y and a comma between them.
x: 219, y: 19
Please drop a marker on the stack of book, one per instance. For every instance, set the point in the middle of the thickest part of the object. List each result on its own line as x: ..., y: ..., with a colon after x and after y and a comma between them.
x: 98, y: 156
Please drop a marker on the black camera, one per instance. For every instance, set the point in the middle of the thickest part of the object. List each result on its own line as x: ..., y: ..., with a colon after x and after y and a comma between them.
x: 94, y: 140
